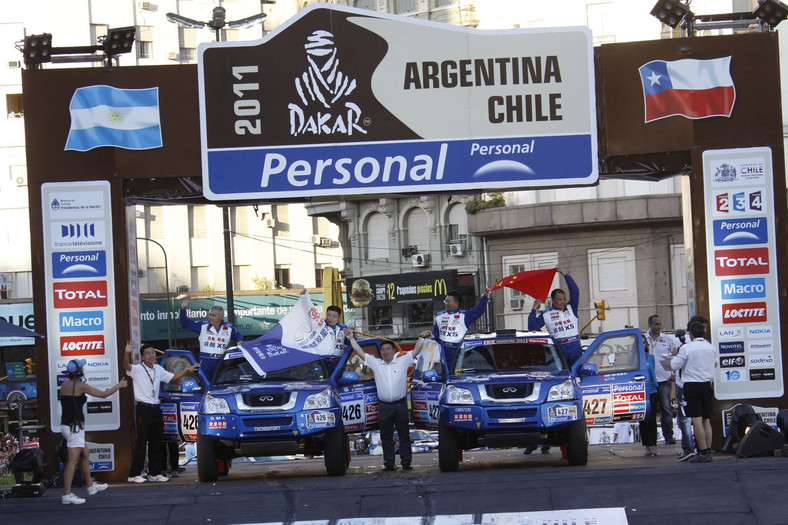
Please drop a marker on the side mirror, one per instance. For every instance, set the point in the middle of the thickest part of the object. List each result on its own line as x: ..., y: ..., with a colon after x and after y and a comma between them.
x: 588, y: 369
x: 348, y: 378
x: 190, y: 385
x: 430, y: 376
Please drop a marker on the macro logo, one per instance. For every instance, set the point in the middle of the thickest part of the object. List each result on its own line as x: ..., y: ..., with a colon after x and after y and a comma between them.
x: 90, y: 321
x: 746, y: 261
x: 732, y: 361
x: 731, y: 232
x: 743, y: 288
x: 88, y: 234
x: 743, y: 313
x: 80, y: 294
x: 739, y: 202
x: 731, y: 347
x: 79, y: 264
x: 82, y: 345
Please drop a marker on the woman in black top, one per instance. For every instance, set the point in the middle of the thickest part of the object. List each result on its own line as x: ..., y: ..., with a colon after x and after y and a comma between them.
x: 72, y: 426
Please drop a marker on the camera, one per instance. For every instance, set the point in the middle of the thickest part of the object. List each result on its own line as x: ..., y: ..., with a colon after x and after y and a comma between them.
x: 681, y: 335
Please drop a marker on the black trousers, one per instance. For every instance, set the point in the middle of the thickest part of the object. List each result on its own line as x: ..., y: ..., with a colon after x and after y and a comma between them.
x: 392, y: 415
x: 150, y: 427
x: 169, y: 455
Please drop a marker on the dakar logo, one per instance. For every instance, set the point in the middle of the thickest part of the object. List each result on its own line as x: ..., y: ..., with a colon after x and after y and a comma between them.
x: 321, y: 88
x: 725, y: 173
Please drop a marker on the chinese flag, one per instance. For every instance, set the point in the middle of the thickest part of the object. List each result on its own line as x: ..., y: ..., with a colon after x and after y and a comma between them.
x: 535, y: 283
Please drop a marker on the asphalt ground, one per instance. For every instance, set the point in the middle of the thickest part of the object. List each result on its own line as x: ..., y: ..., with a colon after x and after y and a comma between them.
x: 651, y: 490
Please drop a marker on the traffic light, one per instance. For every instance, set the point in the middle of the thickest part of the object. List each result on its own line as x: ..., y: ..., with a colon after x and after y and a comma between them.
x: 600, y: 310
x: 29, y: 366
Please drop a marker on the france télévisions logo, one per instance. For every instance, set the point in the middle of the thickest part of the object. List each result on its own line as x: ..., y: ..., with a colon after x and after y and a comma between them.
x: 732, y: 232
x: 90, y: 321
x: 745, y: 261
x: 743, y: 313
x: 79, y: 264
x: 89, y: 234
x: 82, y: 345
x: 79, y: 294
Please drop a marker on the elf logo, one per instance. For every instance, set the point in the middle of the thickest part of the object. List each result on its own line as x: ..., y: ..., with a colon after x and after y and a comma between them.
x: 746, y: 261
x: 733, y: 361
x: 743, y: 313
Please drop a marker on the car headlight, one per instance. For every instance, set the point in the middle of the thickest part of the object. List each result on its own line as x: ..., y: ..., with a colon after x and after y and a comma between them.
x: 319, y: 400
x: 565, y: 390
x: 458, y: 396
x: 215, y: 405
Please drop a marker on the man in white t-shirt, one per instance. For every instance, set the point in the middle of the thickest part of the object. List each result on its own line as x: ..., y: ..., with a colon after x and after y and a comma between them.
x: 622, y: 432
x: 391, y: 381
x: 660, y: 344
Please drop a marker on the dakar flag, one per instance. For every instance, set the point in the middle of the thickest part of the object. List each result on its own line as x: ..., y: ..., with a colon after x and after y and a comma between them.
x: 535, y: 283
x: 690, y: 88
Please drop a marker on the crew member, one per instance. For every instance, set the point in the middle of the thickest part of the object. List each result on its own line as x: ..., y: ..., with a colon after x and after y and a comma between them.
x: 452, y: 324
x: 561, y: 319
x: 214, y: 335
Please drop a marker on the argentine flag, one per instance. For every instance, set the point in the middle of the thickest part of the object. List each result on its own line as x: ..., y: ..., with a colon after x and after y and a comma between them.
x: 108, y: 116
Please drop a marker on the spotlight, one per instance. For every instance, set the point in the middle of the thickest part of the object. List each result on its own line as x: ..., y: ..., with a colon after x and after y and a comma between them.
x: 743, y: 418
x: 119, y: 40
x: 771, y: 12
x: 670, y: 12
x: 37, y: 49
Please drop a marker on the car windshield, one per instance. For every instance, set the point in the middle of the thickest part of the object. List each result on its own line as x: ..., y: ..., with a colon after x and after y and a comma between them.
x: 238, y: 370
x: 508, y: 355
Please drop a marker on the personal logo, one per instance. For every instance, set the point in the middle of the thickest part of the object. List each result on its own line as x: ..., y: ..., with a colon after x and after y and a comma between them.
x: 323, y: 108
x: 79, y: 264
x: 733, y: 232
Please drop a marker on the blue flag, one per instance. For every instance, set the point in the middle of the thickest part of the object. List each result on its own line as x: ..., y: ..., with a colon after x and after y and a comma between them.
x: 302, y: 336
x: 108, y: 116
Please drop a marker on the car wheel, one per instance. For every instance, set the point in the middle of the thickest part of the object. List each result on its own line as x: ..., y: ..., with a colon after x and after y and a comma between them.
x: 207, y: 462
x: 448, y: 449
x: 577, y: 443
x: 335, y: 452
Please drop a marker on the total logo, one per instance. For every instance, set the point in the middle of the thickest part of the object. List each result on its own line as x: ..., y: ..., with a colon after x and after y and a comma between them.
x: 761, y: 360
x: 743, y: 313
x: 732, y: 361
x: 745, y: 261
x: 80, y: 294
x: 740, y: 202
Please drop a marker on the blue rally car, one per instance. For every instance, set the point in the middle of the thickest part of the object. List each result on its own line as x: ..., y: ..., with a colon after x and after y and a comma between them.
x: 238, y: 413
x: 514, y: 389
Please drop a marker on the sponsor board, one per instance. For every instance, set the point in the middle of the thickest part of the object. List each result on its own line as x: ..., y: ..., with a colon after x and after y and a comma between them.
x: 79, y: 294
x: 102, y: 456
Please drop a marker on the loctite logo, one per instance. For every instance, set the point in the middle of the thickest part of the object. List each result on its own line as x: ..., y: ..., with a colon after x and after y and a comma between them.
x: 82, y: 345
x: 743, y: 313
x: 80, y: 294
x: 749, y: 261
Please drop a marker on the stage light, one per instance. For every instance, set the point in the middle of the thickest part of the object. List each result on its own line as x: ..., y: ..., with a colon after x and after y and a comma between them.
x: 670, y: 12
x: 771, y: 12
x: 36, y: 50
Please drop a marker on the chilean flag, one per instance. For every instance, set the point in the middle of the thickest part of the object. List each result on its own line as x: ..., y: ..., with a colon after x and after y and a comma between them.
x: 691, y: 88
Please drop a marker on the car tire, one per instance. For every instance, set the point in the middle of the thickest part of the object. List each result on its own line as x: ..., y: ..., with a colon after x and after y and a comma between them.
x: 448, y: 449
x: 335, y: 453
x: 577, y: 443
x: 207, y: 462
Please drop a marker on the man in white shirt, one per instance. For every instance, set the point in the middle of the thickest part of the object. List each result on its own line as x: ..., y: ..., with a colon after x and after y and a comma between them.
x: 697, y: 360
x: 660, y: 344
x: 622, y: 432
x: 391, y: 381
x: 149, y: 422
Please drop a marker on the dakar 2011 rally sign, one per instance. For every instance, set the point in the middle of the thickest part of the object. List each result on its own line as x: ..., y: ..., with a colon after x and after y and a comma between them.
x: 348, y: 101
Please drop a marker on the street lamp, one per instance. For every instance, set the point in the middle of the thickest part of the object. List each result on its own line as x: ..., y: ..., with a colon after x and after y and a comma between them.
x: 167, y: 286
x: 217, y: 21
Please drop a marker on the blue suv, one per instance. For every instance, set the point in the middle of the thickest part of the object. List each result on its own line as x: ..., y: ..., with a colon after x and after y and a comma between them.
x: 514, y: 389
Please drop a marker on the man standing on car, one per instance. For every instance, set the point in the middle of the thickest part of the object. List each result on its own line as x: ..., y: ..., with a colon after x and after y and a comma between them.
x: 146, y: 378
x: 337, y: 330
x: 660, y: 344
x: 214, y: 335
x: 452, y: 323
x: 560, y: 319
x: 391, y: 381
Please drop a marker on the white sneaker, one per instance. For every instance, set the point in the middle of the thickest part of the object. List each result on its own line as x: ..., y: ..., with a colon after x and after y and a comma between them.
x: 96, y: 487
x: 137, y: 479
x: 71, y: 499
x: 158, y: 478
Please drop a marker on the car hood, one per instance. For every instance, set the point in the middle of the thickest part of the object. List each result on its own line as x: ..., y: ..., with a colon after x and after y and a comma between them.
x: 268, y: 386
x: 535, y: 376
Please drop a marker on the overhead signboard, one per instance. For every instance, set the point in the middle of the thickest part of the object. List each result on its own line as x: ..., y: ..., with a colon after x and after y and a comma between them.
x: 381, y: 290
x: 348, y: 101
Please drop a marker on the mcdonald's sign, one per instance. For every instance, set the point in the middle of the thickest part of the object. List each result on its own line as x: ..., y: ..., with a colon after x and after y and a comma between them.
x: 415, y: 287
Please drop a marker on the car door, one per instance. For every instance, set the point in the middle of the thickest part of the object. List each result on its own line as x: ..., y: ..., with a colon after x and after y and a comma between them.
x: 359, y: 400
x: 425, y: 390
x: 179, y: 408
x: 612, y: 374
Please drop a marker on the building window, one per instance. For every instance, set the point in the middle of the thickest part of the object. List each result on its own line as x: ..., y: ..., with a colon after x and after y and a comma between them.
x: 144, y: 49
x: 420, y: 316
x: 154, y: 221
x: 282, y: 276
x: 318, y: 277
x: 416, y: 231
x: 187, y: 43
x: 376, y: 237
x: 13, y: 105
x: 187, y: 54
x: 18, y: 175
x: 242, y: 279
x: 97, y: 31
x: 201, y: 278
x: 197, y: 222
x: 239, y: 221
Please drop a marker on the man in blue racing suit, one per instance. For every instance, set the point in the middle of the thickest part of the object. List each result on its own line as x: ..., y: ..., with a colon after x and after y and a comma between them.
x: 333, y: 314
x: 214, y: 335
x: 561, y: 319
x: 452, y: 323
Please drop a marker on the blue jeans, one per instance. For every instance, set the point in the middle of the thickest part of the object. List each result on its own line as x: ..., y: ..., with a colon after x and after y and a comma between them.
x: 663, y: 388
x: 685, y: 423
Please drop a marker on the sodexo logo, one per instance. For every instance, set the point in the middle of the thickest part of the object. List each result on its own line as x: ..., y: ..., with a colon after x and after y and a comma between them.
x: 761, y: 360
x: 90, y: 321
